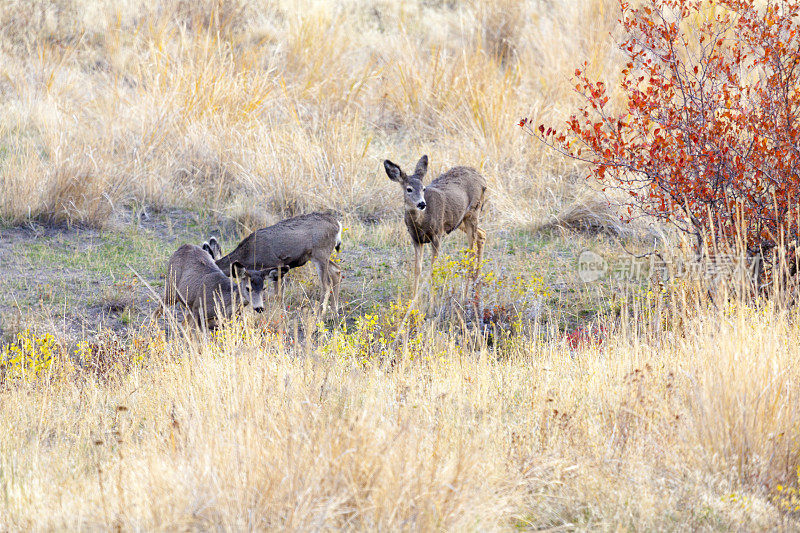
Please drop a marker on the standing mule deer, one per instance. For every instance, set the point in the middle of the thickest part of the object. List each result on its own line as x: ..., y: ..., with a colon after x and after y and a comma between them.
x: 289, y: 244
x: 194, y: 280
x: 453, y: 200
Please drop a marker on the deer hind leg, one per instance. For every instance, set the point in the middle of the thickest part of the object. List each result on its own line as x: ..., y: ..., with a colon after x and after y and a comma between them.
x: 335, y: 279
x: 477, y: 237
x: 325, y: 280
x: 469, y: 226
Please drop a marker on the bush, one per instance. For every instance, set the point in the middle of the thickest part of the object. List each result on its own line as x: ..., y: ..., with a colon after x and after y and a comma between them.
x: 706, y: 135
x: 376, y: 337
x: 28, y: 356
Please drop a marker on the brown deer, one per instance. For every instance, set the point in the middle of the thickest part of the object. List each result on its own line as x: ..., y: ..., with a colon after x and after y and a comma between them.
x: 194, y: 280
x: 292, y: 243
x: 453, y: 200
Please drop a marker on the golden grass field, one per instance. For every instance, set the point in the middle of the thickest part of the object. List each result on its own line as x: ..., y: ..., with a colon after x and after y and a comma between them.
x: 683, y: 416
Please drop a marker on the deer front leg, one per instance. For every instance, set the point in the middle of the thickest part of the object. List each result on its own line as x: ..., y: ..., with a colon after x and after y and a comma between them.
x: 278, y: 287
x: 435, y: 245
x: 417, y: 266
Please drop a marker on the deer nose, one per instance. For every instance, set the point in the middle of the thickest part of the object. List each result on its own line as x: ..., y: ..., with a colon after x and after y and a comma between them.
x: 258, y: 309
x: 421, y: 206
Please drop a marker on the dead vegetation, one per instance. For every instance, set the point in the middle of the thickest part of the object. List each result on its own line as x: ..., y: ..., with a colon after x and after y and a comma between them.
x: 251, y: 428
x: 209, y: 104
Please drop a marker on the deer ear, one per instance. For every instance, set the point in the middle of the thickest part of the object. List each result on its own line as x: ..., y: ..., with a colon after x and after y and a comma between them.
x: 422, y: 167
x: 238, y: 270
x: 207, y: 248
x: 214, y: 248
x: 273, y: 273
x: 393, y: 171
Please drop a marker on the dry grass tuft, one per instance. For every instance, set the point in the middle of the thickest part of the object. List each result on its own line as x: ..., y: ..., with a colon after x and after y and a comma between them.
x: 246, y: 216
x: 501, y: 23
x: 591, y: 213
x: 77, y: 195
x: 215, y: 16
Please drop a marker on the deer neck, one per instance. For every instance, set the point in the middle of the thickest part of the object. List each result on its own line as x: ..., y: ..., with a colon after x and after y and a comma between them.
x: 417, y: 217
x: 420, y: 224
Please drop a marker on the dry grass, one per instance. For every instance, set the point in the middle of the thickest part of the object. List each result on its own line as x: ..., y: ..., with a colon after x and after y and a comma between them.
x: 289, y: 106
x: 248, y: 432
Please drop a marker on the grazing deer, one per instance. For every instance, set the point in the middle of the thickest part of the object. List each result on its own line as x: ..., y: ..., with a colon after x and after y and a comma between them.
x: 453, y: 200
x: 194, y: 280
x: 292, y: 243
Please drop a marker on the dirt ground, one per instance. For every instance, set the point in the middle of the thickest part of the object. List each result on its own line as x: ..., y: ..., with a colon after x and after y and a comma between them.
x: 77, y: 280
x: 81, y: 281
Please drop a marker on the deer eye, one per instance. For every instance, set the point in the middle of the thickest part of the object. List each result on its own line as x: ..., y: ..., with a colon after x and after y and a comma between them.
x: 409, y: 189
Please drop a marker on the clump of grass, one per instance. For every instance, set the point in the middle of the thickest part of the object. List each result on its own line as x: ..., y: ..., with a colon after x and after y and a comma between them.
x: 247, y: 216
x: 787, y: 497
x: 24, y: 25
x: 592, y: 213
x: 487, y: 295
x: 501, y: 24
x: 217, y: 16
x: 32, y: 358
x: 110, y: 357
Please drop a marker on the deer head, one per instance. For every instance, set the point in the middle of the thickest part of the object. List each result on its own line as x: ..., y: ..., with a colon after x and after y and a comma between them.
x: 413, y: 190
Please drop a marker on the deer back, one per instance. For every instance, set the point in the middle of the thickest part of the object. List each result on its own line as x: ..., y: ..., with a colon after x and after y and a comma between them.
x: 291, y: 242
x: 198, y: 280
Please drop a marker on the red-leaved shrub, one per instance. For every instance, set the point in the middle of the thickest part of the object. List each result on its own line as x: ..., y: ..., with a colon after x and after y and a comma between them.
x: 705, y: 135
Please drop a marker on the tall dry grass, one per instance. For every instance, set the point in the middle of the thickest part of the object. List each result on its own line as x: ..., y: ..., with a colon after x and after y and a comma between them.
x: 696, y: 430
x: 288, y: 106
